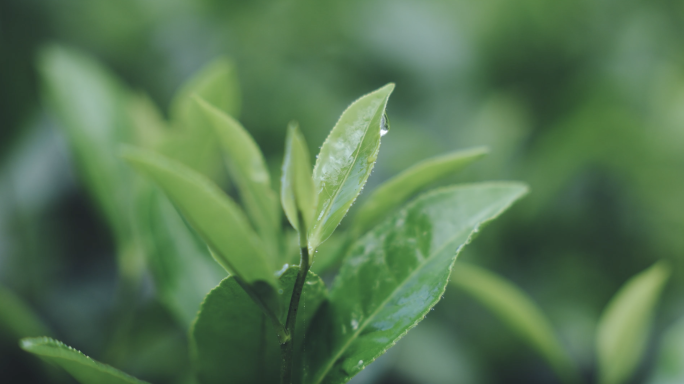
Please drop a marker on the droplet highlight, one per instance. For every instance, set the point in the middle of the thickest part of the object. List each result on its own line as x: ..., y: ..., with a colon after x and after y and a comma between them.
x: 384, y: 124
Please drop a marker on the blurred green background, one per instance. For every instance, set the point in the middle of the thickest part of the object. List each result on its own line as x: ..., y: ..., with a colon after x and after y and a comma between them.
x: 583, y: 100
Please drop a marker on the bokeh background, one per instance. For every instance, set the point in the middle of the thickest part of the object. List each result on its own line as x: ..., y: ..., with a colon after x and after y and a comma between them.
x: 583, y: 100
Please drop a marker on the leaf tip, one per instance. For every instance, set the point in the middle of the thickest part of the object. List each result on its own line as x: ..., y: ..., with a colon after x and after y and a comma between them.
x: 30, y: 343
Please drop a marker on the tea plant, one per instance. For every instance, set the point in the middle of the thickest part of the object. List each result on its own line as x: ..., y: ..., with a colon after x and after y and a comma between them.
x: 268, y: 320
x: 261, y: 318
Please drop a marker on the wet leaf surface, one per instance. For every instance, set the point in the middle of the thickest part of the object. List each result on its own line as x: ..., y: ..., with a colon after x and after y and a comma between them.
x: 346, y: 160
x: 395, y: 274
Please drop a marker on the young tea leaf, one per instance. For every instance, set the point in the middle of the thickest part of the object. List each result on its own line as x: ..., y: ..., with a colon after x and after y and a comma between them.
x: 216, y: 83
x: 396, y: 191
x: 149, y: 126
x: 346, y: 160
x: 395, y: 274
x: 215, y: 217
x: 248, y: 170
x: 192, y: 141
x: 518, y: 311
x: 233, y: 341
x: 81, y: 367
x: 297, y: 189
x: 625, y: 324
x: 90, y: 105
x: 181, y: 265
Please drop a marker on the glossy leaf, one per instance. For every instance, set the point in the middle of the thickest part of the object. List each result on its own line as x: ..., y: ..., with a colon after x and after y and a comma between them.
x: 346, y: 160
x: 625, y: 324
x: 670, y: 362
x: 395, y: 274
x: 517, y: 311
x: 215, y: 217
x: 91, y: 108
x: 396, y: 191
x: 297, y: 189
x: 81, y: 367
x: 192, y: 141
x: 181, y: 265
x: 233, y: 341
x: 248, y: 170
x: 17, y: 318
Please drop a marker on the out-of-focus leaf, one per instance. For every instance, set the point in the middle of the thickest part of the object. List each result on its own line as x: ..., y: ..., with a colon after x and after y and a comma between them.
x: 148, y: 123
x: 216, y: 83
x: 192, y: 141
x: 395, y: 274
x: 249, y: 172
x: 180, y: 263
x: 330, y: 253
x: 215, y: 217
x: 233, y: 341
x: 297, y: 190
x: 346, y: 160
x: 81, y: 367
x: 518, y: 311
x: 17, y: 318
x: 670, y: 364
x: 91, y: 107
x: 625, y: 324
x: 396, y: 191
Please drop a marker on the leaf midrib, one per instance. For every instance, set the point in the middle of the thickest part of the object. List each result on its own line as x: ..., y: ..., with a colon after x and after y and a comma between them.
x: 390, y: 297
x: 346, y: 176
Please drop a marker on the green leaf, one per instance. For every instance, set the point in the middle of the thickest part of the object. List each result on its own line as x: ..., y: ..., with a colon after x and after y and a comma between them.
x: 346, y: 160
x: 395, y: 274
x: 517, y: 311
x: 248, y: 170
x: 330, y: 253
x: 149, y: 126
x: 232, y: 341
x: 181, y: 265
x: 217, y: 83
x: 81, y: 367
x: 670, y: 363
x: 625, y: 324
x: 192, y: 141
x: 215, y: 217
x: 297, y: 192
x: 91, y: 108
x: 17, y: 318
x: 396, y: 191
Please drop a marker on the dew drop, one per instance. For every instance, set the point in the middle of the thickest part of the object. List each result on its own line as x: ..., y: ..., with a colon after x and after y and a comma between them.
x: 384, y: 124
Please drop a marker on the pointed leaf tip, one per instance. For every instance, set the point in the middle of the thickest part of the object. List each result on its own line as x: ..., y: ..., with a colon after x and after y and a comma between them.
x: 346, y: 160
x: 624, y: 327
x: 247, y: 167
x: 81, y: 367
x: 215, y: 216
x: 297, y: 189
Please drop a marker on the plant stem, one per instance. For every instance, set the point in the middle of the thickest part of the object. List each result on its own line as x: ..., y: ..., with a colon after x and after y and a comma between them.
x: 287, y: 348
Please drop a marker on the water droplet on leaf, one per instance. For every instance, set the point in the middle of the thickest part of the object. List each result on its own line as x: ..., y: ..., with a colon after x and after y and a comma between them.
x: 384, y: 124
